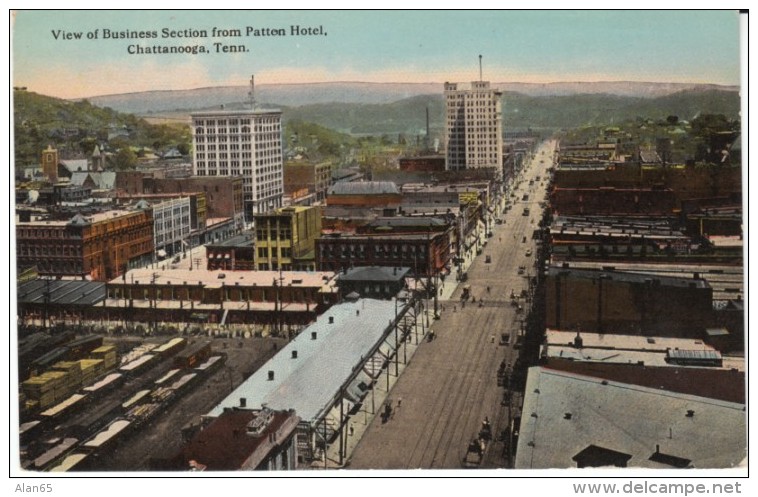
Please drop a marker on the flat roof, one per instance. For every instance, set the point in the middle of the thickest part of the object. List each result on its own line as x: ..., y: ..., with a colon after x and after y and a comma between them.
x: 309, y: 383
x: 213, y: 279
x: 625, y: 342
x: 627, y: 349
x: 564, y: 414
x: 374, y: 273
x: 247, y: 240
x: 234, y: 113
x: 623, y: 276
x: 90, y: 218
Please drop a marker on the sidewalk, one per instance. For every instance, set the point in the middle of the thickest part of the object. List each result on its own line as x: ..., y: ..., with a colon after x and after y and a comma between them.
x: 372, y: 407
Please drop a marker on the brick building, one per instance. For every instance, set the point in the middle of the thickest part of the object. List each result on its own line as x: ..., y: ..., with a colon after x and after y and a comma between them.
x: 613, y: 201
x: 316, y: 178
x: 364, y: 194
x: 425, y: 163
x: 425, y: 254
x: 101, y: 247
x: 181, y: 295
x: 627, y: 303
x: 223, y: 197
x: 233, y: 254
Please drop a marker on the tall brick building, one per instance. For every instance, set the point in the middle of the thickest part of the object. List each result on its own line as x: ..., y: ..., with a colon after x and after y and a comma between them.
x: 101, y: 246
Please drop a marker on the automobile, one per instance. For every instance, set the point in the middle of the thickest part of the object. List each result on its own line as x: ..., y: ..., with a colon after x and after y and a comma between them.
x: 528, y: 252
x: 498, y: 221
x: 521, y: 269
x: 487, y: 259
x: 505, y: 338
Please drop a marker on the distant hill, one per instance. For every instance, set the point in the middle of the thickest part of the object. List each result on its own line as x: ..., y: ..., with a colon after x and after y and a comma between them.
x: 75, y: 127
x: 519, y: 111
x: 295, y: 95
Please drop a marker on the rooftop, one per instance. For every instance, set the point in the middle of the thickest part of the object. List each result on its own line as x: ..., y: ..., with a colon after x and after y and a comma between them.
x: 216, y: 279
x: 374, y: 273
x: 564, y: 414
x: 625, y: 349
x: 309, y: 382
x: 81, y: 220
x: 227, y: 444
x: 245, y: 240
x: 64, y: 292
x: 626, y: 277
x: 363, y: 188
x: 238, y: 112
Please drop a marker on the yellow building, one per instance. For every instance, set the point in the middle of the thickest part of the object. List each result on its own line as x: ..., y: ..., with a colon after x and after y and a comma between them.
x: 286, y: 239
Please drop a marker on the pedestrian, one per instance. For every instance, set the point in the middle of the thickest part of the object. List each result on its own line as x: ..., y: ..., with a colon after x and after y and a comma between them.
x: 399, y: 401
x: 352, y: 430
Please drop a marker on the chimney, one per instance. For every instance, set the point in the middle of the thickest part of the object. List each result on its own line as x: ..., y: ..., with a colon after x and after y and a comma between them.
x: 243, y: 402
x: 657, y: 448
x: 331, y: 319
x: 294, y: 354
x: 270, y: 375
x: 313, y: 335
x: 357, y: 312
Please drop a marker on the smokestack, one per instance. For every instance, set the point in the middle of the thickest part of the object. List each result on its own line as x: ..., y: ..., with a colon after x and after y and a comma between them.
x: 480, y: 68
x: 252, y: 92
x: 427, y: 128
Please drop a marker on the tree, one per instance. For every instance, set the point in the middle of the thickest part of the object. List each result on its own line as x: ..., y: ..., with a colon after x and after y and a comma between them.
x: 672, y: 120
x: 125, y: 159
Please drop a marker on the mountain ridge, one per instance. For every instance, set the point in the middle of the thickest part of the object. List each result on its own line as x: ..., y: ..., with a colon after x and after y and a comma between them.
x: 297, y: 94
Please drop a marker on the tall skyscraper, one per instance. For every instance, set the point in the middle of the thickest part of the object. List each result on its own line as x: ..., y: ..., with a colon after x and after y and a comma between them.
x: 246, y: 143
x: 474, y: 127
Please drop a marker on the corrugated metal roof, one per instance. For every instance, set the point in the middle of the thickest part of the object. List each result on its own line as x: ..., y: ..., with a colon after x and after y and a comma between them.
x: 68, y: 292
x: 310, y: 382
x: 363, y: 188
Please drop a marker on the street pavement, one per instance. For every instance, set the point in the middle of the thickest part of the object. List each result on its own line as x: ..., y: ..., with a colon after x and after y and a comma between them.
x: 450, y: 386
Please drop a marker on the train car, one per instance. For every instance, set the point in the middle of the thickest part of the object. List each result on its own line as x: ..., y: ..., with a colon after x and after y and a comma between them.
x: 107, y: 437
x: 139, y: 365
x: 72, y: 462
x: 171, y: 347
x: 212, y: 364
x: 105, y: 385
x: 191, y: 357
x: 54, y: 454
x: 65, y: 408
x: 81, y: 347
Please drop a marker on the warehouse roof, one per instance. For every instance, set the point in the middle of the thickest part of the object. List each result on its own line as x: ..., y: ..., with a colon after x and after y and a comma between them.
x: 564, y: 414
x: 363, y: 188
x: 309, y: 382
x: 215, y: 279
x: 66, y: 292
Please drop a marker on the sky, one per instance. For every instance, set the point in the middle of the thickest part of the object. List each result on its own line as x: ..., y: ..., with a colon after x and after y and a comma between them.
x: 377, y: 46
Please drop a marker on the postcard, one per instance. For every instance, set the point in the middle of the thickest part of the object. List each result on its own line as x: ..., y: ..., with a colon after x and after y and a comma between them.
x: 380, y: 243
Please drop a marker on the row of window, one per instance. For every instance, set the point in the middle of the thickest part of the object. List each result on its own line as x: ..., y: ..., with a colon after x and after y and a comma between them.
x: 221, y: 122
